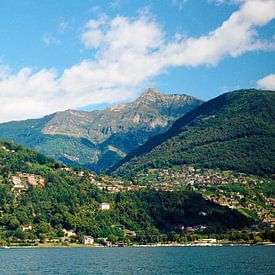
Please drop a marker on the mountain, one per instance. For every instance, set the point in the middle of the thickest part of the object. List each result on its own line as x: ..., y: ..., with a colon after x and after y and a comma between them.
x: 233, y: 131
x: 98, y: 139
x: 40, y: 198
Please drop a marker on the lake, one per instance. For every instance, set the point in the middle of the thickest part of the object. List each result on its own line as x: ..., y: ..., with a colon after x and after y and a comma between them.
x: 166, y: 260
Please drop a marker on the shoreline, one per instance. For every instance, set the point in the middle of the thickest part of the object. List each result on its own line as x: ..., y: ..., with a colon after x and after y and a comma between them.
x: 139, y: 245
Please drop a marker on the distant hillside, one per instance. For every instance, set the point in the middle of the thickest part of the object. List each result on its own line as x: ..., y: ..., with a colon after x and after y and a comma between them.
x: 98, y: 139
x: 40, y: 198
x: 233, y: 131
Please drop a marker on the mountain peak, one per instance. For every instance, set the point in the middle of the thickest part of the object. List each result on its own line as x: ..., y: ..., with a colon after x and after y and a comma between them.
x: 97, y: 139
x: 151, y: 92
x: 150, y: 95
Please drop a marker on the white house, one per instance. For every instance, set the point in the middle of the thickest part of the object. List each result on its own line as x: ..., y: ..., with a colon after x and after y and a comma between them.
x: 207, y: 240
x: 88, y: 240
x: 104, y: 206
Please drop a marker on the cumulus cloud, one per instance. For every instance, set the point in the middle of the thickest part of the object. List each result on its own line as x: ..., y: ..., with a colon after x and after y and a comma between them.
x: 267, y: 82
x: 128, y: 52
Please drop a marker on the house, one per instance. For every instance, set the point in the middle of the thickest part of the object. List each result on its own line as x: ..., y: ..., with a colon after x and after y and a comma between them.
x: 129, y: 233
x: 104, y: 206
x: 105, y: 242
x: 207, y: 240
x: 121, y: 244
x: 26, y: 227
x: 189, y: 229
x: 19, y: 187
x: 88, y: 240
x: 16, y: 180
x: 108, y: 243
x: 69, y: 233
x: 31, y: 180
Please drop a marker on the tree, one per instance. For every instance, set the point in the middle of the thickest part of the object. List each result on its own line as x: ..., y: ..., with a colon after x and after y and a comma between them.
x: 20, y: 234
x: 112, y: 238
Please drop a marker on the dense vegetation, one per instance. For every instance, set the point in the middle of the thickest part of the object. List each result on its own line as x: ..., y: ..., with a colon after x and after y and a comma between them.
x: 98, y: 139
x: 233, y: 131
x: 70, y: 201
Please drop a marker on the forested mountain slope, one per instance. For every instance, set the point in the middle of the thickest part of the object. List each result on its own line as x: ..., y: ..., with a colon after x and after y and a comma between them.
x: 233, y: 131
x: 45, y: 197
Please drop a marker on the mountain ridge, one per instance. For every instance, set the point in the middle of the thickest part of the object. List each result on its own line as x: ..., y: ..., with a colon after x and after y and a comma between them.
x: 99, y: 138
x: 246, y: 115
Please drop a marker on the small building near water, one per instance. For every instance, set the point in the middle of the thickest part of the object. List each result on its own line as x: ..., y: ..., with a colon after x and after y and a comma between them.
x: 88, y: 240
x: 207, y: 240
x: 121, y: 244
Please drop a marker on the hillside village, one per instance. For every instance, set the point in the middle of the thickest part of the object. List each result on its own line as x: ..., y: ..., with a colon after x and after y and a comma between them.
x: 29, y: 173
x: 249, y: 194
x: 232, y: 189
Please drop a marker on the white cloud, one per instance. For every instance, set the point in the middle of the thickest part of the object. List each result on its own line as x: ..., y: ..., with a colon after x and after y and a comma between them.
x: 234, y: 37
x: 179, y: 4
x: 267, y: 82
x: 49, y: 39
x: 63, y: 26
x: 128, y: 53
x: 4, y: 72
x: 94, y: 9
x: 221, y: 2
x: 114, y: 4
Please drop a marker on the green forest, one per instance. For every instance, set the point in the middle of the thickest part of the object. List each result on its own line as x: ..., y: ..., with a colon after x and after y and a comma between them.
x: 68, y: 201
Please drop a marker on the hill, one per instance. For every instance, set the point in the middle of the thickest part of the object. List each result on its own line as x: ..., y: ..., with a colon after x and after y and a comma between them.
x: 98, y: 139
x: 40, y: 198
x: 233, y: 131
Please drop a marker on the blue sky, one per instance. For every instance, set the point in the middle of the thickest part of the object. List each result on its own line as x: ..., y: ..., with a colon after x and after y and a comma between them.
x: 56, y: 55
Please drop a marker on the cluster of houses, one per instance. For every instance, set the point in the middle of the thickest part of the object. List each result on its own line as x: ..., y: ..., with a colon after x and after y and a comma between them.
x: 191, y: 176
x: 234, y: 200
x: 7, y: 150
x: 231, y: 200
x: 190, y: 229
x: 200, y: 180
x: 21, y: 181
x: 114, y: 188
x: 203, y: 181
x: 89, y: 240
x: 187, y: 177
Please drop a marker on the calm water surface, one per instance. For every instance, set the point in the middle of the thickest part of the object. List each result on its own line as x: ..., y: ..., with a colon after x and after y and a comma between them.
x: 167, y: 260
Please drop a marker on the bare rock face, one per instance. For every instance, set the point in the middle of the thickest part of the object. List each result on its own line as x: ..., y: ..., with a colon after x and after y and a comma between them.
x: 150, y: 110
x: 85, y: 138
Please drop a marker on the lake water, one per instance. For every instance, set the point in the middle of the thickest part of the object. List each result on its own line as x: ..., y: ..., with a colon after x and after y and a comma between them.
x: 166, y: 260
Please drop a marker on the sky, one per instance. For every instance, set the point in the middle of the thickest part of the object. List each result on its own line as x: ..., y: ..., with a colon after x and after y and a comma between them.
x: 88, y: 54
